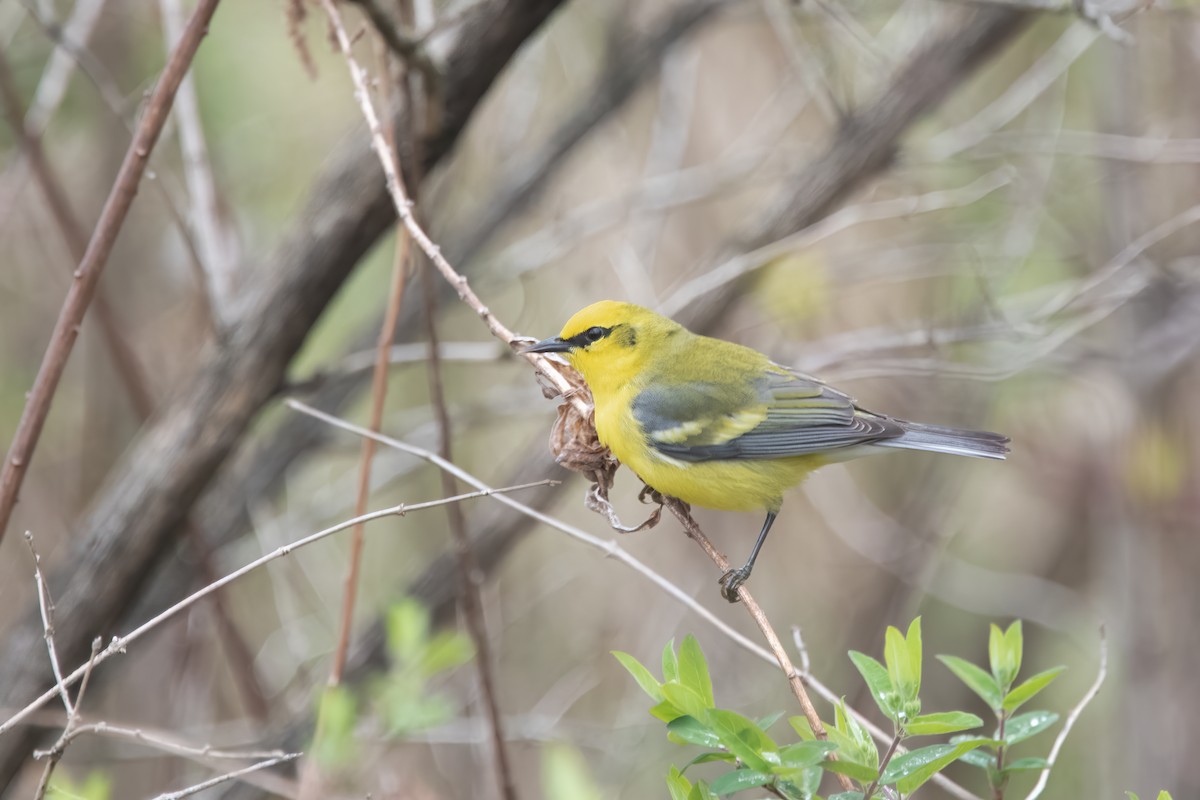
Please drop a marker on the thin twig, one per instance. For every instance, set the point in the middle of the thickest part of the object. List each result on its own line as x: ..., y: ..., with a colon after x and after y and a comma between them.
x: 55, y: 754
x: 120, y: 643
x: 684, y: 515
x: 228, y: 776
x: 87, y: 275
x: 1088, y: 696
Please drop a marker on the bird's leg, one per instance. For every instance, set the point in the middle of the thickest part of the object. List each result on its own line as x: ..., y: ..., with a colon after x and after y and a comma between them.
x: 734, y: 578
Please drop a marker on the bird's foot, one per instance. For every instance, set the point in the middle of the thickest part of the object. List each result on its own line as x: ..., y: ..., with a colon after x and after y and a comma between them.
x: 731, y: 581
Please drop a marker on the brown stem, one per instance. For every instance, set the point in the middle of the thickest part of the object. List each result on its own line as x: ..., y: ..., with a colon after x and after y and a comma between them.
x: 87, y: 274
x: 684, y: 515
x: 887, y: 757
x: 998, y: 789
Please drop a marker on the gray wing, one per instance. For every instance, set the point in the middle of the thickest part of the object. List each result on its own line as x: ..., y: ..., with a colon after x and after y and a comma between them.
x: 778, y: 415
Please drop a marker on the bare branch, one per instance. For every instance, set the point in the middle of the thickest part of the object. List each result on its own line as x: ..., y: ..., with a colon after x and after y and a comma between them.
x: 228, y: 776
x: 87, y: 275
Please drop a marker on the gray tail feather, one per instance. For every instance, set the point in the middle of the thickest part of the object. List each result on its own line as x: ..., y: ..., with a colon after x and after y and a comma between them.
x: 955, y: 441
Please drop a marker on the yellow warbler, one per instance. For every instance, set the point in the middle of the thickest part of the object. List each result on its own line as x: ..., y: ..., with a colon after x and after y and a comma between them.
x: 720, y: 425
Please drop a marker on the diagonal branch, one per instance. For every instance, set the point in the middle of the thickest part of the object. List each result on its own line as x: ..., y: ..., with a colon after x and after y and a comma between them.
x: 87, y: 274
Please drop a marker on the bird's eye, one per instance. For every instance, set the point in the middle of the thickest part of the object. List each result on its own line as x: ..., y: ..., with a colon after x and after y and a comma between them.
x: 595, y: 334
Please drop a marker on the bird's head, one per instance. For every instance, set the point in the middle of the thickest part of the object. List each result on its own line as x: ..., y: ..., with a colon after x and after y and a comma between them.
x: 612, y: 343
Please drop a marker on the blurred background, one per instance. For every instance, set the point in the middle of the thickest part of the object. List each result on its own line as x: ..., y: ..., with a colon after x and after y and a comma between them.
x: 1019, y: 258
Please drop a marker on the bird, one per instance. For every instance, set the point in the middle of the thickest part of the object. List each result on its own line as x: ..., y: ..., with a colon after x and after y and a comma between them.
x: 720, y: 425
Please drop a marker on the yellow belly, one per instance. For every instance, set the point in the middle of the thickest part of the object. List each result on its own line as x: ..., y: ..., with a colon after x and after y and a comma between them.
x: 725, y: 485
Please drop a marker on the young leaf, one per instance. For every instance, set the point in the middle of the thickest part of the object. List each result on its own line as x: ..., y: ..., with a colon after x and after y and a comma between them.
x: 692, y: 731
x: 909, y: 770
x: 447, y: 650
x: 743, y: 738
x: 407, y: 630
x: 770, y: 719
x: 1013, y: 651
x: 862, y: 747
x: 686, y: 700
x: 851, y: 769
x: 693, y: 670
x: 878, y: 681
x: 666, y: 711
x: 705, y: 758
x: 1004, y: 653
x: 648, y: 682
x: 679, y: 786
x: 895, y: 655
x: 1022, y: 726
x: 912, y: 643
x: 802, y: 728
x: 805, y: 754
x: 738, y: 780
x: 1018, y: 696
x: 942, y: 722
x: 701, y: 792
x: 975, y: 678
x: 670, y: 663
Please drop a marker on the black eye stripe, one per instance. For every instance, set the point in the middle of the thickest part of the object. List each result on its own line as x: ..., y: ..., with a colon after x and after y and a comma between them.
x: 589, y: 336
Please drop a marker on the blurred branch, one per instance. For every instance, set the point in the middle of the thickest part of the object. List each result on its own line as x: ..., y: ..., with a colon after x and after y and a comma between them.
x: 631, y: 62
x: 228, y: 776
x: 87, y: 275
x: 215, y: 240
x: 1088, y: 696
x: 1089, y: 11
x: 134, y: 521
x: 1050, y: 67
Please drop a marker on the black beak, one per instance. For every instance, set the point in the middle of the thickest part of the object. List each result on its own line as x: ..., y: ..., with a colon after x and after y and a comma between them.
x: 555, y: 345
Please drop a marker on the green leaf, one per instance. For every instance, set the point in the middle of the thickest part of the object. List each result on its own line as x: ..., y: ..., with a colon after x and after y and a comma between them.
x: 648, y: 682
x: 983, y: 758
x: 333, y: 739
x: 685, y: 699
x: 975, y: 678
x: 670, y: 664
x: 1164, y: 795
x: 743, y: 738
x: 1031, y: 723
x: 701, y: 792
x: 738, y: 780
x: 692, y: 731
x: 406, y: 630
x: 565, y: 774
x: 942, y: 722
x: 666, y: 711
x: 802, y: 728
x: 1018, y: 696
x: 447, y: 651
x: 878, y: 681
x: 805, y: 754
x: 851, y: 769
x: 903, y: 657
x: 693, y: 670
x: 860, y: 747
x: 1004, y: 653
x: 846, y: 796
x: 1013, y: 651
x: 910, y: 770
x: 1029, y: 764
x: 770, y: 719
x: 679, y: 786
x: 705, y: 758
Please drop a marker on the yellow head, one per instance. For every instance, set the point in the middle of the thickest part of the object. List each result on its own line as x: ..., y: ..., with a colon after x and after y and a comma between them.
x: 611, y: 343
